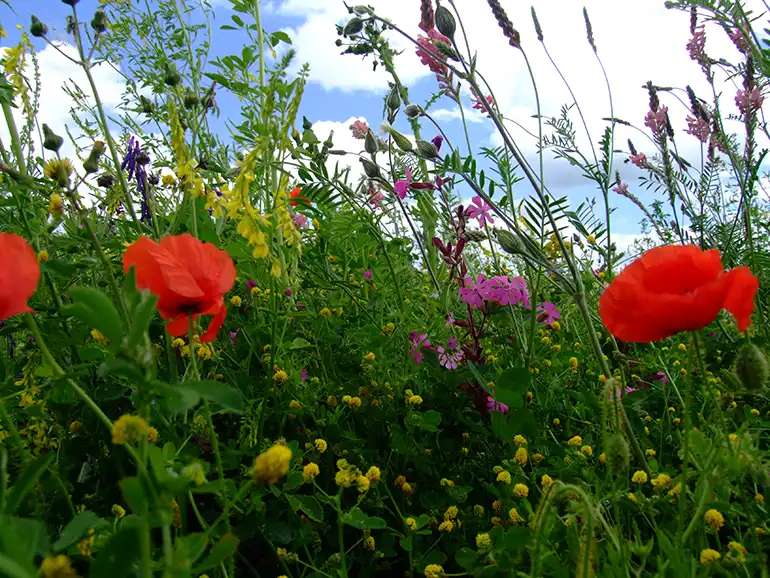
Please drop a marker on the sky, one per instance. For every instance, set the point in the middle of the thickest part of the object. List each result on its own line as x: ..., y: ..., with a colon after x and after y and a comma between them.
x: 637, y: 42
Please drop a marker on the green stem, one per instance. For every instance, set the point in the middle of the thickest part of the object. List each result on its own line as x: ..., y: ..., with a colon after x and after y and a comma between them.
x: 260, y: 42
x: 340, y: 536
x: 15, y: 141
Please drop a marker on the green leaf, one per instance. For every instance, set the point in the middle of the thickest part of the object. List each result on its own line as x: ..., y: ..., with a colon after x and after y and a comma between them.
x: 117, y: 557
x: 32, y: 537
x: 26, y: 482
x: 178, y: 399
x: 511, y: 387
x: 135, y: 494
x: 219, y: 553
x: 95, y: 310
x: 224, y: 395
x: 75, y: 530
x: 3, y: 477
x: 307, y: 504
x: 12, y: 569
x: 158, y: 463
x: 466, y: 558
x: 141, y: 319
x: 357, y: 518
x: 300, y: 343
x: 430, y: 420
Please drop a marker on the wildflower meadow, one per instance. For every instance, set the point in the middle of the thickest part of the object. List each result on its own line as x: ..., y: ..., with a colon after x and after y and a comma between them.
x: 232, y: 347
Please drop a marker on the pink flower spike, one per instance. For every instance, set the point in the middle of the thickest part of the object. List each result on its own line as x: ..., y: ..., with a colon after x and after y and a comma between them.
x: 748, y: 102
x: 656, y: 120
x: 402, y: 186
x: 620, y: 188
x: 359, y: 129
x: 697, y: 44
x: 303, y: 375
x: 699, y: 128
x: 300, y: 220
x: 480, y: 210
x: 638, y: 159
x: 418, y: 342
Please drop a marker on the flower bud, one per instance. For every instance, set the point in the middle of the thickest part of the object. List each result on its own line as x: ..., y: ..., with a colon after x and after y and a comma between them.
x: 354, y: 26
x: 427, y: 149
x: 171, y: 77
x: 403, y: 143
x: 751, y: 367
x: 99, y: 22
x: 51, y: 140
x: 70, y: 2
x: 37, y: 28
x: 412, y: 111
x: 370, y: 143
x: 371, y: 170
x: 362, y: 10
x: 191, y: 99
x: 91, y: 164
x: 445, y: 22
x: 509, y: 242
x: 446, y: 50
x: 394, y: 100
x: 617, y: 452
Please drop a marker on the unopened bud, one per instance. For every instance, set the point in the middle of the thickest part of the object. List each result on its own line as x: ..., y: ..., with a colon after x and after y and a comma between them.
x: 105, y: 181
x: 371, y: 170
x: 403, y: 143
x: 446, y: 50
x: 427, y: 149
x: 445, y: 22
x: 51, y: 140
x: 191, y: 99
x: 91, y: 164
x: 70, y: 2
x: 509, y: 242
x: 146, y: 104
x: 394, y: 100
x: 354, y: 26
x: 37, y: 28
x: 617, y: 452
x: 412, y: 111
x: 751, y: 367
x: 370, y: 143
x: 362, y: 10
x: 171, y: 77
x: 99, y: 22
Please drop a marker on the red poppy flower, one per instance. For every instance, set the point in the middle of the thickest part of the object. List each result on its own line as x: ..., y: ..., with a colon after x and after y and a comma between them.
x: 18, y: 277
x: 672, y: 289
x: 297, y: 194
x: 187, y: 275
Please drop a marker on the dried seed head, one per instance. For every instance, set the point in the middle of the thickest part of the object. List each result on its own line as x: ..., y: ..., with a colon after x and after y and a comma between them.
x: 426, y: 15
x: 514, y: 39
x: 589, y: 29
x: 538, y: 28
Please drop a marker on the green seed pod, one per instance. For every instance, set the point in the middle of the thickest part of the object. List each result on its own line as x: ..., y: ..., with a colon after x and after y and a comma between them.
x: 412, y: 111
x: 51, y: 140
x: 99, y: 22
x: 427, y: 149
x: 171, y: 77
x: 509, y: 242
x: 370, y: 169
x: 146, y: 104
x: 394, y: 100
x: 91, y: 164
x: 370, y: 143
x: 354, y: 26
x: 446, y: 50
x: 37, y: 28
x: 445, y: 22
x: 191, y: 99
x: 362, y: 11
x: 617, y: 452
x: 403, y: 143
x: 751, y: 367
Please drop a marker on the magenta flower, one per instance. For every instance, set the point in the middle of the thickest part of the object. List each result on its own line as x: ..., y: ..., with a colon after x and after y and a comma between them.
x: 303, y: 375
x: 656, y: 120
x: 300, y: 220
x: 638, y: 159
x: 233, y: 336
x: 359, y: 129
x: 251, y: 284
x: 451, y: 356
x: 620, y: 188
x: 507, y: 291
x: 699, y: 128
x: 661, y: 376
x: 287, y: 293
x: 437, y: 141
x: 480, y: 210
x: 402, y: 186
x: 549, y: 313
x: 621, y: 392
x: 478, y: 103
x: 450, y: 319
x: 493, y: 405
x: 739, y: 40
x: 697, y: 44
x: 748, y: 102
x: 375, y: 196
x: 418, y: 342
x: 429, y: 54
x: 474, y: 294
x: 368, y: 274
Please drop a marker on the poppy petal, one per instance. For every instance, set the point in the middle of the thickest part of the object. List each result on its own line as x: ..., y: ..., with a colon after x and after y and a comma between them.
x: 178, y: 326
x: 739, y: 298
x: 216, y: 323
x: 17, y: 283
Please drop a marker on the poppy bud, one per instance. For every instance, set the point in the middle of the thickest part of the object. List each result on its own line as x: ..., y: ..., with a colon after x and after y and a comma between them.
x: 403, y: 143
x: 191, y: 99
x: 91, y: 164
x: 37, y: 28
x: 171, y: 77
x: 509, y: 242
x: 445, y: 22
x: 370, y: 143
x: 51, y: 140
x: 306, y: 124
x: 146, y: 104
x: 99, y: 22
x: 354, y: 26
x: 751, y: 367
x: 370, y: 169
x: 412, y: 111
x: 617, y: 454
x: 70, y: 2
x: 394, y: 100
x: 427, y: 149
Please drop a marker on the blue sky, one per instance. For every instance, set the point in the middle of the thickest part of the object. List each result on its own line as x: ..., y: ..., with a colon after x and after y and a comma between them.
x: 637, y: 42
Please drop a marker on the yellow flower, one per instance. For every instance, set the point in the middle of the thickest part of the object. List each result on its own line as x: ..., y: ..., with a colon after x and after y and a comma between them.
x: 451, y: 513
x: 682, y: 347
x: 325, y: 312
x: 676, y: 490
x: 331, y: 401
x: 521, y: 456
x: 759, y: 498
x: 446, y: 526
x: 354, y: 402
x: 755, y: 412
x: 537, y: 458
x: 446, y: 482
x: 388, y: 329
x: 661, y: 482
x: 434, y: 571
x: 478, y: 510
x: 321, y: 445
x: 399, y: 481
x: 632, y: 497
x: 152, y: 435
x: 575, y: 441
x: 236, y: 301
x: 556, y: 326
x: 369, y: 356
x: 168, y: 180
x: 546, y: 340
x: 411, y: 524
x: 42, y: 256
x: 271, y: 465
x: 57, y: 566
x: 310, y: 471
x: 708, y: 556
x: 521, y: 490
x: 714, y: 518
x: 129, y: 428
x: 464, y: 451
x: 280, y: 376
x: 204, y: 351
x: 519, y: 440
x: 573, y: 363
x: 587, y: 451
x: 528, y: 396
x: 58, y: 170
x: 639, y: 477
x: 294, y: 404
x: 504, y: 477
x: 513, y: 516
x: 195, y: 473
x: 406, y: 488
x: 99, y: 337
x: 483, y: 542
x: 363, y: 484
x: 556, y: 348
x: 369, y: 543
x: 738, y: 549
x: 591, y: 239
x: 373, y: 473
x: 602, y: 379
x: 676, y: 421
x: 651, y: 453
x: 415, y: 400
x: 556, y: 422
x: 74, y: 426
x: 118, y: 511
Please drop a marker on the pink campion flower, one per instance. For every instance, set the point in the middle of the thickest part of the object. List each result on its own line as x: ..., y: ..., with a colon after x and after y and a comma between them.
x: 699, y: 128
x: 451, y: 356
x: 402, y: 186
x: 638, y: 159
x: 656, y: 120
x: 493, y: 405
x: 368, y: 274
x: 478, y: 103
x: 251, y: 284
x: 303, y: 374
x: 418, y: 342
x: 450, y: 319
x: 479, y: 209
x: 287, y: 292
x: 549, y: 313
x: 620, y: 188
x: 299, y: 220
x: 427, y: 50
x: 375, y: 196
x: 474, y: 294
x: 359, y: 129
x: 437, y: 141
x: 233, y: 336
x: 748, y: 102
x: 507, y: 291
x: 697, y: 44
x: 739, y: 40
x: 661, y: 376
x: 621, y: 392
